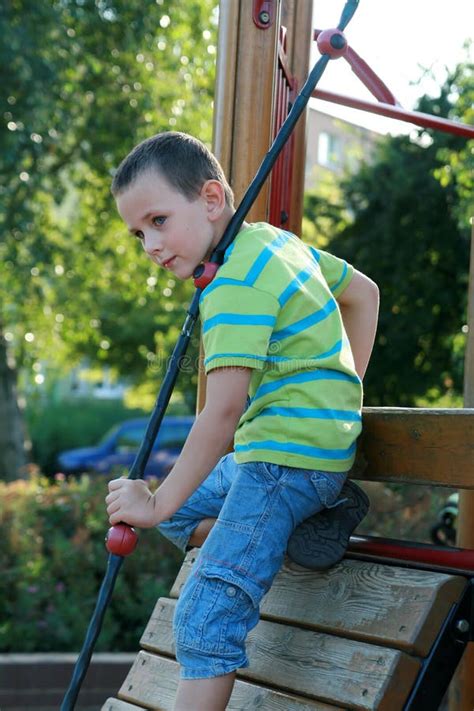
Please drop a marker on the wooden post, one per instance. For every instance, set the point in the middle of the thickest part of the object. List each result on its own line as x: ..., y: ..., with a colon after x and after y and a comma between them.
x: 461, y: 696
x: 246, y: 59
x: 227, y: 51
x: 243, y: 104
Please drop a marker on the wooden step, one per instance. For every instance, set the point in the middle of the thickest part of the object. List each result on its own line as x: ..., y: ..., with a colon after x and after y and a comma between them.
x: 379, y: 604
x: 117, y: 705
x: 153, y: 681
x: 344, y: 672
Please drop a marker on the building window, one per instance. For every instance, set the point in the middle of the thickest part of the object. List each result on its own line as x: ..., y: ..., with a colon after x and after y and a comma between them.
x: 329, y: 150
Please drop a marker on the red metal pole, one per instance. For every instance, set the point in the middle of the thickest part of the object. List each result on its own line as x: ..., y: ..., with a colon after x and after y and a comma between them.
x: 447, y: 559
x: 397, y: 112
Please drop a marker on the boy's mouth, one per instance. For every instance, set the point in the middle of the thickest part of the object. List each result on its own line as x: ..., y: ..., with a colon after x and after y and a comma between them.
x: 168, y: 262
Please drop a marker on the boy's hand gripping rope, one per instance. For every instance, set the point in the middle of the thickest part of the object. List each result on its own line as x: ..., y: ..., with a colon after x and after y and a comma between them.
x: 122, y: 538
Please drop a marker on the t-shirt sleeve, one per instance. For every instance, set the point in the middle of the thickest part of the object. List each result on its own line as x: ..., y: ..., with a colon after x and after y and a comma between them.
x: 237, y: 323
x: 337, y: 272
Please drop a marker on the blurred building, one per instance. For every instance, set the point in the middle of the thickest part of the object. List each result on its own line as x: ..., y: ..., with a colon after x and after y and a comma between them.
x: 334, y: 146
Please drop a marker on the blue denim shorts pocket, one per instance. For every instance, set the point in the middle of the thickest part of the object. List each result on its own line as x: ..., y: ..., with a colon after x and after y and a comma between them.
x: 216, y: 617
x: 328, y: 486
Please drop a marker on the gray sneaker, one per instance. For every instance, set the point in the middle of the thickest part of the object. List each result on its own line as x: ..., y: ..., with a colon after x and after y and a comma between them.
x: 321, y: 540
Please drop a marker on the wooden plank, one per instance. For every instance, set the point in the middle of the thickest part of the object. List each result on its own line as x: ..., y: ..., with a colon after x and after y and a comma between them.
x: 417, y: 445
x: 153, y: 681
x: 379, y: 604
x: 117, y: 705
x: 331, y: 669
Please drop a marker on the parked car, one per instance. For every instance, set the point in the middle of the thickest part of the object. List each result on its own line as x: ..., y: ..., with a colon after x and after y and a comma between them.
x: 117, y: 449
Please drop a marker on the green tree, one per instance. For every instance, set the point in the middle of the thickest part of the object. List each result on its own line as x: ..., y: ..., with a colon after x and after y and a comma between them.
x: 83, y: 81
x: 409, y: 232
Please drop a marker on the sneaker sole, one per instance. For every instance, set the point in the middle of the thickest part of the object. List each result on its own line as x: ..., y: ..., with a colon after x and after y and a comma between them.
x: 321, y: 541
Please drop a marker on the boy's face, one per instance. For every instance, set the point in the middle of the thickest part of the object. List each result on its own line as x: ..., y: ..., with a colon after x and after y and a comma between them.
x: 176, y: 233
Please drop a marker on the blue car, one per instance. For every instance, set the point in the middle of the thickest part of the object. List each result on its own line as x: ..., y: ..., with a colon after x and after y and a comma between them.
x: 117, y: 449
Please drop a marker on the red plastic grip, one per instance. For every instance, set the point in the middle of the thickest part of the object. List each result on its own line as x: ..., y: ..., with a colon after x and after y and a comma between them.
x: 121, y: 539
x: 204, y: 274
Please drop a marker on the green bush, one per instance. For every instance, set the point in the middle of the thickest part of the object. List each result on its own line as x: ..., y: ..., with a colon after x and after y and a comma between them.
x: 53, y: 561
x: 56, y: 426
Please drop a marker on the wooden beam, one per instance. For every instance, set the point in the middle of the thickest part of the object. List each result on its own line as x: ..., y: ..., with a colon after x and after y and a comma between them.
x: 224, y: 95
x: 417, y: 445
x: 253, y: 104
x: 243, y: 101
x: 223, y: 118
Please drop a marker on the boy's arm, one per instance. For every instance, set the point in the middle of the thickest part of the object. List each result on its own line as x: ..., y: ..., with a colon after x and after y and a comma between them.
x: 359, y: 306
x: 130, y: 501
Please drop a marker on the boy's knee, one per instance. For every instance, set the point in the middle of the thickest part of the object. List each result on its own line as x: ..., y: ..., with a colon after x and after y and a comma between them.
x: 201, y: 532
x: 179, y: 531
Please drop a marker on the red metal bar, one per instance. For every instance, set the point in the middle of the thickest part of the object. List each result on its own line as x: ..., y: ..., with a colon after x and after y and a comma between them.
x: 397, y: 112
x: 276, y: 173
x: 369, y: 78
x: 405, y: 552
x: 284, y: 64
x: 291, y: 150
x: 279, y: 165
x: 280, y: 191
x: 284, y: 209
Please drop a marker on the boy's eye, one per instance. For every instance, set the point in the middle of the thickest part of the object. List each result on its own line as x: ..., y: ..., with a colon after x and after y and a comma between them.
x: 159, y: 220
x: 139, y: 234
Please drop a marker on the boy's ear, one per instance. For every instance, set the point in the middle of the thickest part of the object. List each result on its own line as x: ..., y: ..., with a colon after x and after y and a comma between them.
x: 214, y: 195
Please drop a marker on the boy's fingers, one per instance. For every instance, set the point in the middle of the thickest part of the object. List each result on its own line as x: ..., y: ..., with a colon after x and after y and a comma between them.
x: 115, y: 484
x: 113, y: 507
x: 111, y: 497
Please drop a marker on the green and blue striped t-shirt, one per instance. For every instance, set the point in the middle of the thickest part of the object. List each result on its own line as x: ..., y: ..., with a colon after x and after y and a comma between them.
x: 272, y: 307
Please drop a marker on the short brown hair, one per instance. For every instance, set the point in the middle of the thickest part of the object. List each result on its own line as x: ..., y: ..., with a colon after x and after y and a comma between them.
x: 182, y: 160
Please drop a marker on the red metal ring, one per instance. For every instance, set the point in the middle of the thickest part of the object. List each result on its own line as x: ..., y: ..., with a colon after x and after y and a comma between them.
x: 204, y: 274
x: 332, y: 42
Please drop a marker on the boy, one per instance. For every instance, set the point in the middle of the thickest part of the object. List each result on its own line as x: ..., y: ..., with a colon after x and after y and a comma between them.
x: 284, y: 362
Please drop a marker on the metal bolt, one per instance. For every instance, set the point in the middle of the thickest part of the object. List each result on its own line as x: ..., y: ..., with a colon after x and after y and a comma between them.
x: 264, y: 17
x: 462, y: 626
x: 338, y: 41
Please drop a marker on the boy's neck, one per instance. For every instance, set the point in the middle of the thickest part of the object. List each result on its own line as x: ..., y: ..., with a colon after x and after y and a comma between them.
x: 222, y: 225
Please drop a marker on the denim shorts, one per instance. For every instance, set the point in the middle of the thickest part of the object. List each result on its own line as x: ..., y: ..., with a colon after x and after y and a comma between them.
x: 257, y: 506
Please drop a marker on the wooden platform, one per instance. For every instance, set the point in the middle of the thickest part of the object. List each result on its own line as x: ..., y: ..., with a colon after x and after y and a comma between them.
x: 356, y: 636
x: 353, y: 637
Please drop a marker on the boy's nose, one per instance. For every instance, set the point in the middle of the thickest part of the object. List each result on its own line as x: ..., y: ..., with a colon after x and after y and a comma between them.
x: 152, y: 244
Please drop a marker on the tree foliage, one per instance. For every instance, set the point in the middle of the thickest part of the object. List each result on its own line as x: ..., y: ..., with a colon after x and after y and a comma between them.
x: 83, y: 81
x: 409, y: 232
